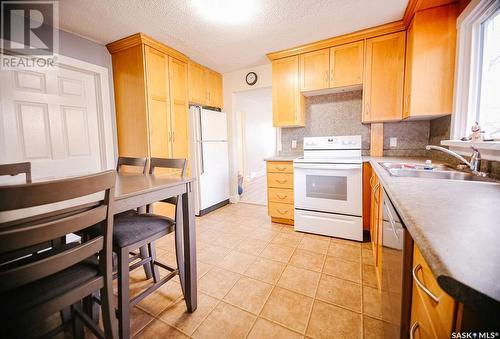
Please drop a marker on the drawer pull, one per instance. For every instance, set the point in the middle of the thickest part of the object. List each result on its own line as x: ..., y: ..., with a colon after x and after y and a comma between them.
x: 281, y: 169
x: 421, y: 285
x: 413, y: 329
x: 281, y: 212
x: 281, y: 181
x: 282, y: 197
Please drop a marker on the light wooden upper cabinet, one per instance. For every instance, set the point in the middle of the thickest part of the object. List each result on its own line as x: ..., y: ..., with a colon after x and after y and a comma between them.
x: 151, y: 94
x: 383, y: 78
x: 158, y: 102
x: 198, y: 83
x: 205, y: 86
x: 179, y: 107
x: 314, y: 70
x: 430, y: 63
x: 287, y: 100
x: 214, y: 89
x: 346, y: 65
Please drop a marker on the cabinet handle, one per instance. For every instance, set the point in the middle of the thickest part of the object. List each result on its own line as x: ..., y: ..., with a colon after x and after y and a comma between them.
x: 413, y: 329
x: 375, y: 192
x: 169, y: 136
x: 331, y: 76
x: 421, y: 285
x: 371, y: 181
x: 281, y: 197
x: 367, y: 109
x: 281, y: 169
x: 281, y: 181
x: 281, y: 212
x: 173, y: 136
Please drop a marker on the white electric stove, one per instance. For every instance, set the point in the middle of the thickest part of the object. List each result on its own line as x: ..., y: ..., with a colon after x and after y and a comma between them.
x: 328, y: 187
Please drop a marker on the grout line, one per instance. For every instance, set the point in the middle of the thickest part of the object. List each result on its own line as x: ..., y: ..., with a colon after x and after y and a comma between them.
x: 316, y: 290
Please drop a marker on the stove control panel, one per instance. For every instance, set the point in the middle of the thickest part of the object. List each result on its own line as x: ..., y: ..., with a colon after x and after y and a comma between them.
x: 334, y: 142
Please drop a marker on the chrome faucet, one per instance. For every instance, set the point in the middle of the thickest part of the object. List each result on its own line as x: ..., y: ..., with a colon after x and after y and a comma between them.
x: 474, y: 162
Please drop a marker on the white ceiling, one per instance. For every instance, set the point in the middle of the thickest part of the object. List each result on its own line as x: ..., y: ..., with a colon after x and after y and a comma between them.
x: 277, y: 25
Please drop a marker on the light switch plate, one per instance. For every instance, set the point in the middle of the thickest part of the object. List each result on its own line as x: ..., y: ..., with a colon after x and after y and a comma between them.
x: 393, y: 142
x: 294, y: 143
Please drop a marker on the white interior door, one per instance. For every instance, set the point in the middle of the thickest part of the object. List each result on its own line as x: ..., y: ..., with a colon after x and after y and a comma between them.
x: 50, y: 118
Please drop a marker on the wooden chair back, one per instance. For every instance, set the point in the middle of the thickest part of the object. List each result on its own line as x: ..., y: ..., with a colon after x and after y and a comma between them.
x: 168, y: 163
x: 22, y: 233
x: 129, y: 161
x: 17, y: 168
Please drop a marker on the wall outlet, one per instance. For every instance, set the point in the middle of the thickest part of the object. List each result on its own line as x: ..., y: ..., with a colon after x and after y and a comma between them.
x: 393, y: 142
x: 294, y: 144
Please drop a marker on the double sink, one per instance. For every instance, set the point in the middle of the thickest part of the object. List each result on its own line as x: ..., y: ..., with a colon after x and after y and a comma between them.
x: 436, y: 172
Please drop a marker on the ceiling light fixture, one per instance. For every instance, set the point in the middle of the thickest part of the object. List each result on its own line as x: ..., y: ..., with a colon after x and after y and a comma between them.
x: 226, y: 11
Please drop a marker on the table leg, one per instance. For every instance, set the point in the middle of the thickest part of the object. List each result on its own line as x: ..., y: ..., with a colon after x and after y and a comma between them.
x: 144, y: 251
x: 188, y: 227
x: 179, y: 243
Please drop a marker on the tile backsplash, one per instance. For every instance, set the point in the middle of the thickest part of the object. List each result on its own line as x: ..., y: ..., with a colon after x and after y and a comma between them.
x: 326, y: 115
x: 340, y: 114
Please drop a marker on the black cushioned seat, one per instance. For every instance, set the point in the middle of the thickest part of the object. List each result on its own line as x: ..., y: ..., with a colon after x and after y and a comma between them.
x: 30, y: 295
x: 131, y: 228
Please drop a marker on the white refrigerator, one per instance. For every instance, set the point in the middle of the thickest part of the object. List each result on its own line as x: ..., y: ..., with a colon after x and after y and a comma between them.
x: 210, y: 159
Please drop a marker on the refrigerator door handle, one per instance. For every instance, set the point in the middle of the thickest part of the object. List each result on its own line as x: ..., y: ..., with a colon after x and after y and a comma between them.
x: 202, y: 164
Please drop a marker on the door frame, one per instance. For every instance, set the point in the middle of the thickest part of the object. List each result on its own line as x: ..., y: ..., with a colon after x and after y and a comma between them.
x: 103, y: 106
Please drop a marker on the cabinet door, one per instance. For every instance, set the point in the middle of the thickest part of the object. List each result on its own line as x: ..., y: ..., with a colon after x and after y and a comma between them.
x: 314, y: 70
x: 383, y: 80
x: 179, y: 107
x: 346, y: 65
x: 198, y: 84
x: 410, y: 37
x: 158, y: 103
x: 215, y: 89
x: 286, y: 96
x: 430, y: 66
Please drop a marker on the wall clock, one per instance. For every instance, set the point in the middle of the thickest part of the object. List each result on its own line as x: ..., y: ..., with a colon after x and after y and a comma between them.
x: 251, y: 78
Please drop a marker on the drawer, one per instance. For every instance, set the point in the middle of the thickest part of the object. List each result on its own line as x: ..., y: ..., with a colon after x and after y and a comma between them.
x: 420, y: 323
x: 442, y: 311
x: 282, y: 195
x: 278, y: 210
x: 280, y: 167
x: 280, y: 180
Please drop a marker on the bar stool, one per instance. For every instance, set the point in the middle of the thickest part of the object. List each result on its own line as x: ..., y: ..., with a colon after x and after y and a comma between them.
x: 131, y: 232
x: 33, y: 288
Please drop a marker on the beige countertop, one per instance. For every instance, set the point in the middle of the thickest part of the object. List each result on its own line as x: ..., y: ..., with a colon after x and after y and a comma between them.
x: 456, y: 225
x: 285, y: 157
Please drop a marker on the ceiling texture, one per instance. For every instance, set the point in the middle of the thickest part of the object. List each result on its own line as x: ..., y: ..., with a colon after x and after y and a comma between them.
x: 229, y: 45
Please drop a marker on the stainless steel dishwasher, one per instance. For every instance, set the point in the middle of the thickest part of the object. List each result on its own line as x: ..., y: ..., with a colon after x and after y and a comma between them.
x: 397, y: 247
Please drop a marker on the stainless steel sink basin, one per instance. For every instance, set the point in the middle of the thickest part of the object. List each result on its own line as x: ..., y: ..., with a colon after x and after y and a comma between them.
x: 438, y: 172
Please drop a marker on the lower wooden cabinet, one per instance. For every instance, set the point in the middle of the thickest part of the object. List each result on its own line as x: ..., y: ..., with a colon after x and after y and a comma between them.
x: 376, y: 224
x: 433, y: 312
x: 280, y: 191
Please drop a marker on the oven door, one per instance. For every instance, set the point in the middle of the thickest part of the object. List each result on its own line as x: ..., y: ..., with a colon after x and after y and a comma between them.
x: 334, y: 188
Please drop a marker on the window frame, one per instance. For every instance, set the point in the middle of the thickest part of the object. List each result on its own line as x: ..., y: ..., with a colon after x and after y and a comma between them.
x: 468, y: 64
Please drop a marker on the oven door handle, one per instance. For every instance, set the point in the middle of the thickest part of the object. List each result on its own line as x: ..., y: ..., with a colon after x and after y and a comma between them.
x: 327, y: 166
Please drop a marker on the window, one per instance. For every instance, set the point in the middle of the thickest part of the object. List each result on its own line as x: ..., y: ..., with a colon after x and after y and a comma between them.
x: 488, y: 112
x: 477, y: 84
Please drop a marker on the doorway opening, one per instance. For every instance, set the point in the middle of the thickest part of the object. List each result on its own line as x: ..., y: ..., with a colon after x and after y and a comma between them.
x: 257, y: 140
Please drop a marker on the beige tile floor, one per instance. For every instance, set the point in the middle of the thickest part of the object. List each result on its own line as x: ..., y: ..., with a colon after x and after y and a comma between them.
x: 258, y: 279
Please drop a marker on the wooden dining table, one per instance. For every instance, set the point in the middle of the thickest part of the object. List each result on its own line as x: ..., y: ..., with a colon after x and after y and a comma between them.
x: 135, y: 191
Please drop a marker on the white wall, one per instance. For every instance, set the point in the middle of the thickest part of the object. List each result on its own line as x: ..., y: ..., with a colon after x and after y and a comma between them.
x: 234, y: 82
x: 254, y: 108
